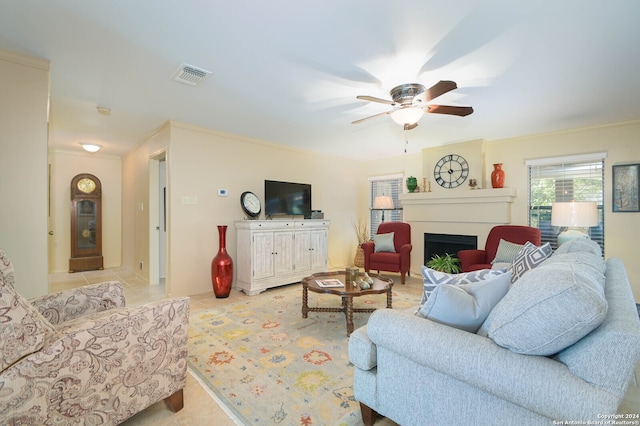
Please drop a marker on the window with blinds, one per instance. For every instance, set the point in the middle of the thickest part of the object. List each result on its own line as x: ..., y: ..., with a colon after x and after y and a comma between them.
x: 564, y: 179
x: 384, y: 186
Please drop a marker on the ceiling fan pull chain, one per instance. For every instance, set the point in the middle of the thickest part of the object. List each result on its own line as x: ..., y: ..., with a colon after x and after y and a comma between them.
x: 406, y: 138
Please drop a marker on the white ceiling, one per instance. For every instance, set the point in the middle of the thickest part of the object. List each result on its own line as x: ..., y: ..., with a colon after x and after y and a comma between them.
x: 288, y: 71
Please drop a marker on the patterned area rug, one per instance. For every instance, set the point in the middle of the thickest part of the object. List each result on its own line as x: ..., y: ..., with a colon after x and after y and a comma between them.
x: 268, y: 365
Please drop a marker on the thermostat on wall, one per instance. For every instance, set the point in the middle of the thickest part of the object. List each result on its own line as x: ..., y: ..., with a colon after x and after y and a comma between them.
x: 223, y: 193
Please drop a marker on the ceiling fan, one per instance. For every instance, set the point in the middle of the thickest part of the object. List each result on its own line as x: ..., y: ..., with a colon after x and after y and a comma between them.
x: 410, y: 103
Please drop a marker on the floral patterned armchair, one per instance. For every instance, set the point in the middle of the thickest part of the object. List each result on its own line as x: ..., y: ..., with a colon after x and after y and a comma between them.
x: 81, y: 357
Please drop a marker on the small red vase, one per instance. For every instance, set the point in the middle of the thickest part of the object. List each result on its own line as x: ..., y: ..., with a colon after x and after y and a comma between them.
x: 222, y: 266
x: 497, y: 176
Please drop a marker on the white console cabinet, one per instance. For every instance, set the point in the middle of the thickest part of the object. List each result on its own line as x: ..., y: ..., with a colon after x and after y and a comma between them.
x: 271, y: 253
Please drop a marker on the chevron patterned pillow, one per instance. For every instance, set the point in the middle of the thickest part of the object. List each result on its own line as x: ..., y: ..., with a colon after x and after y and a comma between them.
x: 432, y: 278
x: 528, y: 258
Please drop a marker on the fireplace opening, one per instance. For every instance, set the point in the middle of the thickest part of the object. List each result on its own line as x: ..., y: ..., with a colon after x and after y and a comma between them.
x: 441, y: 244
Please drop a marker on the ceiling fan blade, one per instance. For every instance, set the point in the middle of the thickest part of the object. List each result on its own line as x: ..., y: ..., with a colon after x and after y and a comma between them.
x: 448, y: 109
x: 439, y: 89
x: 370, y: 117
x: 374, y: 99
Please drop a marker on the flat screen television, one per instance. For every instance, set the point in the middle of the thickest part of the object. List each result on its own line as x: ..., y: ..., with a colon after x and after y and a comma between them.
x: 287, y: 198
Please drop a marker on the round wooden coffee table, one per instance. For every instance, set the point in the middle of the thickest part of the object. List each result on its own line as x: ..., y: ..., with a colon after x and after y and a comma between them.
x: 347, y: 293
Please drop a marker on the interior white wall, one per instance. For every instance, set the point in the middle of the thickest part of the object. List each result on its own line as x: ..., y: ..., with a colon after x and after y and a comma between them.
x: 201, y: 161
x: 66, y: 165
x: 24, y: 104
x: 135, y: 200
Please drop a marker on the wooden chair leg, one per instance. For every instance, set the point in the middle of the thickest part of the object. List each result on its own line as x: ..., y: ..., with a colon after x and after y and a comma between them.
x: 369, y: 415
x: 175, y: 402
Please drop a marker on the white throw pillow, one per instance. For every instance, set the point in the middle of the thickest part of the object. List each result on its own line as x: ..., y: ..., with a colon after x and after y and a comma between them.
x: 384, y: 243
x: 465, y: 306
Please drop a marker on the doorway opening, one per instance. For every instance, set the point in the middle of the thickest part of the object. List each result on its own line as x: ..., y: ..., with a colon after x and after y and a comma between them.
x: 158, y: 219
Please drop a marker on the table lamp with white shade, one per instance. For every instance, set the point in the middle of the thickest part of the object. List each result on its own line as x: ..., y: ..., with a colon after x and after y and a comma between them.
x: 578, y: 217
x: 383, y: 202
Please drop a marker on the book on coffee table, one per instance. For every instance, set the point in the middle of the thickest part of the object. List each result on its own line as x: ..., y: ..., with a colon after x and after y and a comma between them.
x: 329, y: 283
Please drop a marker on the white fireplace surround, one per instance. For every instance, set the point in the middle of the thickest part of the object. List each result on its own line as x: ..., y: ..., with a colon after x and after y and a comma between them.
x: 464, y: 212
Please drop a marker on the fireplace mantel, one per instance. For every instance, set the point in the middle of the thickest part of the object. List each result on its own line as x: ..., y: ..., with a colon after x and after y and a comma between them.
x: 471, y: 206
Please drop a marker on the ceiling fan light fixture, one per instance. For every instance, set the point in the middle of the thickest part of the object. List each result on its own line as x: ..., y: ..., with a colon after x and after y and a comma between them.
x: 407, y: 115
x: 410, y: 103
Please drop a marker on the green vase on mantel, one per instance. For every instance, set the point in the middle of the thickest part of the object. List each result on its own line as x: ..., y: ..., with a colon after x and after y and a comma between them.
x: 412, y: 184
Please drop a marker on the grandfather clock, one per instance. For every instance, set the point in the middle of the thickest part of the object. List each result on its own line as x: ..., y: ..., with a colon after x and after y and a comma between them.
x: 86, y: 223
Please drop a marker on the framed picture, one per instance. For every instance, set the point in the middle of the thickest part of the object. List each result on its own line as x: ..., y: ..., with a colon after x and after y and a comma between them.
x: 626, y: 188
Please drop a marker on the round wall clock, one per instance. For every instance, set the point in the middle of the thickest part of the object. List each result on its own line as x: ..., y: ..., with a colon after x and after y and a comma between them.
x: 451, y: 171
x: 250, y: 204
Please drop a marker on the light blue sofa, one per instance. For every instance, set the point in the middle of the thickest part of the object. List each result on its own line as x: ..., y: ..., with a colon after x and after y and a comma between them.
x: 416, y: 371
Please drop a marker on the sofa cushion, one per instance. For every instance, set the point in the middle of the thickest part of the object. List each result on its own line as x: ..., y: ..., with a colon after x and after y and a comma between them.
x: 465, y: 306
x: 432, y: 278
x: 384, y: 243
x: 550, y: 307
x: 23, y: 330
x: 580, y: 245
x: 507, y: 252
x: 618, y: 337
x: 528, y: 258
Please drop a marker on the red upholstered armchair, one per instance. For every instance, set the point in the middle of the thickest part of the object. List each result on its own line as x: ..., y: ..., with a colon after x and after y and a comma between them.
x: 472, y: 260
x: 400, y: 261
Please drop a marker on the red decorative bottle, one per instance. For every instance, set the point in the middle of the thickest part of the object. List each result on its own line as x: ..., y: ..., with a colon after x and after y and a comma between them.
x: 222, y: 266
x: 497, y: 176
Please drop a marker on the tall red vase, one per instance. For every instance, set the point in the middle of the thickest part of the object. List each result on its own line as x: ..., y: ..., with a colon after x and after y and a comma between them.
x: 497, y: 176
x: 222, y: 266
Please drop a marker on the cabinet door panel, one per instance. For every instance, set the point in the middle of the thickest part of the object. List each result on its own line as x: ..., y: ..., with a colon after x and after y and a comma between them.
x: 302, y: 251
x: 263, y: 255
x: 283, y: 248
x: 319, y: 249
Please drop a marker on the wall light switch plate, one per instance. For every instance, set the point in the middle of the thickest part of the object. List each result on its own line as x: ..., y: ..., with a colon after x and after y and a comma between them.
x: 223, y: 193
x: 189, y: 200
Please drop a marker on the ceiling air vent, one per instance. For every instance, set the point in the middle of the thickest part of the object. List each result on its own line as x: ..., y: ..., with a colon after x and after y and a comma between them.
x: 190, y: 75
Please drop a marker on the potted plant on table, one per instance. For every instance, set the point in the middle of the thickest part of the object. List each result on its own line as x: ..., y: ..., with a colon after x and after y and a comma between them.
x: 447, y: 264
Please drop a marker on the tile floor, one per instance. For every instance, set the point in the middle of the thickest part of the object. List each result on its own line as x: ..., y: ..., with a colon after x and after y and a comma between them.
x: 199, y: 407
